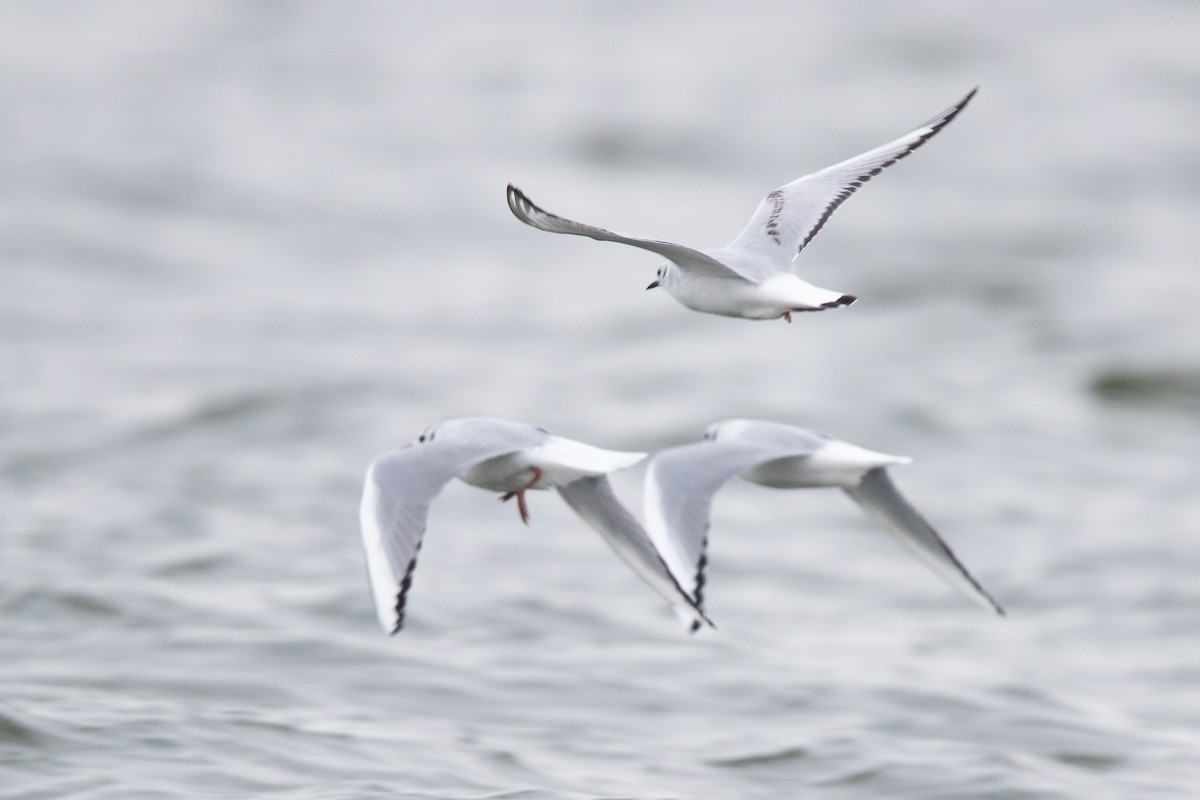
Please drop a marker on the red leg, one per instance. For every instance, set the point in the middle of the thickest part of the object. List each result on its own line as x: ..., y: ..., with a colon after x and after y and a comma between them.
x: 523, y: 509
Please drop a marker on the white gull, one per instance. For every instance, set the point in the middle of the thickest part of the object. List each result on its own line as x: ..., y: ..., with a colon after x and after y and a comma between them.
x: 752, y: 276
x: 682, y: 481
x: 500, y: 456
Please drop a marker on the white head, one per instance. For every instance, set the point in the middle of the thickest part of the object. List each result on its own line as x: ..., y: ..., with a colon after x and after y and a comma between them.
x: 427, y: 434
x: 454, y: 427
x: 763, y: 432
x: 665, y: 277
x: 727, y: 429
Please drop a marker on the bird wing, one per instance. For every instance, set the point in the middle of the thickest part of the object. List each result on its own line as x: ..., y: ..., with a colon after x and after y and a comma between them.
x: 680, y: 485
x: 790, y: 216
x: 878, y: 496
x: 524, y: 209
x: 399, y: 487
x: 593, y: 500
x: 568, y: 460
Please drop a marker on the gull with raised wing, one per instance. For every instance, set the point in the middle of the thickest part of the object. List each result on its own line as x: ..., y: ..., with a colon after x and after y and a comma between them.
x: 681, y: 483
x: 752, y: 276
x: 500, y: 456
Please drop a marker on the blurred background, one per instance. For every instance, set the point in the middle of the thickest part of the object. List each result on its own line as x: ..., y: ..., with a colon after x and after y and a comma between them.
x: 246, y: 247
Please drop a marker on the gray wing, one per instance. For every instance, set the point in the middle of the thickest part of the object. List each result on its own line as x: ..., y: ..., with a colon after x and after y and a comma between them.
x: 878, y: 496
x: 524, y: 209
x: 789, y: 217
x: 680, y: 485
x: 399, y: 487
x: 593, y: 500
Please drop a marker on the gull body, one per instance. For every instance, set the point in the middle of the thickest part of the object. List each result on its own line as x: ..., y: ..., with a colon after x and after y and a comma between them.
x: 500, y: 456
x: 681, y: 483
x: 752, y: 276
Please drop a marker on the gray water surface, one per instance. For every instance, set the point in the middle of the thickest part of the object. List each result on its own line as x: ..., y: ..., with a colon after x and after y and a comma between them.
x: 244, y: 248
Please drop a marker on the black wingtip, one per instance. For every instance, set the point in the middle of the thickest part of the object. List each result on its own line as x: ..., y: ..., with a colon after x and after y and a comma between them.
x: 520, y: 205
x: 698, y: 593
x: 955, y: 110
x: 991, y: 601
x: 402, y: 595
x: 401, y: 598
x: 844, y: 300
x: 699, y: 623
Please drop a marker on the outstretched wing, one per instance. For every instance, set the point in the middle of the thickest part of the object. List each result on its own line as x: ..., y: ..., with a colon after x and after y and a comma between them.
x: 879, y: 497
x: 680, y: 485
x: 397, y: 492
x: 593, y: 500
x: 789, y: 217
x: 524, y: 209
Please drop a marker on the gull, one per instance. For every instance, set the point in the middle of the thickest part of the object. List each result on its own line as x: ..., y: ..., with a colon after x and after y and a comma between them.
x: 501, y: 456
x: 752, y: 276
x: 681, y: 483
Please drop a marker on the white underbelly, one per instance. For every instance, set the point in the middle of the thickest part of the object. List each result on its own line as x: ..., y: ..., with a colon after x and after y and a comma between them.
x: 506, y: 473
x: 835, y: 464
x: 729, y: 297
x: 799, y: 472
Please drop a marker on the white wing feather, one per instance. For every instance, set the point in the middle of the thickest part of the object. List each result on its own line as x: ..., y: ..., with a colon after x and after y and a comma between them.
x: 878, y: 496
x: 680, y: 485
x: 525, y: 210
x: 397, y: 492
x: 789, y: 217
x: 593, y: 500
